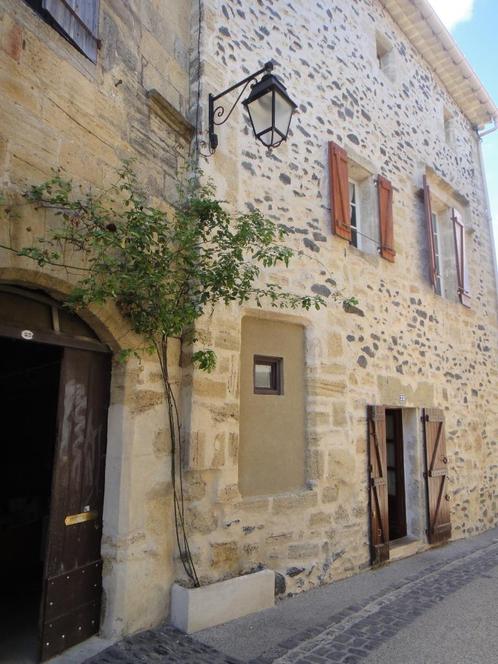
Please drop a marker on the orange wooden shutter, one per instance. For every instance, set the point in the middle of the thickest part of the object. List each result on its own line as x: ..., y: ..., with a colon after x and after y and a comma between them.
x: 436, y: 476
x: 339, y: 191
x: 430, y: 233
x: 379, y: 517
x: 461, y: 263
x: 385, y: 192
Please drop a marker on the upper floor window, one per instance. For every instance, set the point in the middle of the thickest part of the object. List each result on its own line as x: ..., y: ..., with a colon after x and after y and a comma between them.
x: 76, y: 20
x: 362, y: 213
x: 446, y: 240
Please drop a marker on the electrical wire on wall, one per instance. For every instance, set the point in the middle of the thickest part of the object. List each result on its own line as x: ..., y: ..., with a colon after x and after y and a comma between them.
x: 198, y: 152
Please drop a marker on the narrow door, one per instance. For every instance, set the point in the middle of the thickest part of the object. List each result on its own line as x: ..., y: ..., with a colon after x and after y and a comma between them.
x: 436, y: 476
x: 73, y: 567
x: 379, y: 520
x: 395, y: 474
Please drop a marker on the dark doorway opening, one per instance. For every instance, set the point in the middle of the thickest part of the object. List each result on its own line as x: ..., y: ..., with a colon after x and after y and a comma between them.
x: 395, y: 474
x: 29, y: 382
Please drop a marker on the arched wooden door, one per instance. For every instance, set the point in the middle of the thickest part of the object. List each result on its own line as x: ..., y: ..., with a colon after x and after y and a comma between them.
x: 72, y: 566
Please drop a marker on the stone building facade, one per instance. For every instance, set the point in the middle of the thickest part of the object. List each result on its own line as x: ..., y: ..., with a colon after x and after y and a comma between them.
x: 279, y: 475
x: 65, y: 105
x: 376, y: 79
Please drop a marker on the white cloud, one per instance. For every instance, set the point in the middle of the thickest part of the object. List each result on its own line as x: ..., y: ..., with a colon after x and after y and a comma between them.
x: 452, y: 12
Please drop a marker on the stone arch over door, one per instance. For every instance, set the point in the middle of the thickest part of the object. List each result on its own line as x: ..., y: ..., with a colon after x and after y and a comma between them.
x: 138, y: 527
x: 105, y: 323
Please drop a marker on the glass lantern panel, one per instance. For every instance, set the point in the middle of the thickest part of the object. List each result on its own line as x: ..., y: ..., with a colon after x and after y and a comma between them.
x: 267, y: 137
x: 283, y: 114
x: 260, y: 111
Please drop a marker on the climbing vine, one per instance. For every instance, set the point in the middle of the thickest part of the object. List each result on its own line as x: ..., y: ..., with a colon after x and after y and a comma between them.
x: 163, y: 270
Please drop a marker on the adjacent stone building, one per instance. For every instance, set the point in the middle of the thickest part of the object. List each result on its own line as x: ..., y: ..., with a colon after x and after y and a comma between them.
x: 83, y: 94
x: 324, y: 441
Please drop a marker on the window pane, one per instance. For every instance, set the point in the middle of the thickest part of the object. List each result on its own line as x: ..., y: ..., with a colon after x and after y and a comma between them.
x: 263, y: 376
x: 354, y: 214
x: 437, y: 253
x: 260, y: 111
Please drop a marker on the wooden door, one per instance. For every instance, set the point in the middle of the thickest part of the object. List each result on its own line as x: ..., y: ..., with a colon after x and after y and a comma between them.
x: 436, y: 477
x: 73, y: 566
x: 379, y: 519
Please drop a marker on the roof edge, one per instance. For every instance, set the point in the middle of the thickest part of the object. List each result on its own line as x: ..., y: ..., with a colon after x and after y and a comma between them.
x: 448, y: 62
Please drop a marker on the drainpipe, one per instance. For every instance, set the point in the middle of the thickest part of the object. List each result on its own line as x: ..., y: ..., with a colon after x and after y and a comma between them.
x: 486, y: 197
x: 488, y: 131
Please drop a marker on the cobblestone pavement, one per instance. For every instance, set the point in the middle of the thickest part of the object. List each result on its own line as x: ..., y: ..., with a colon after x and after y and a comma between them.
x: 348, y: 637
x: 353, y: 634
x: 162, y: 645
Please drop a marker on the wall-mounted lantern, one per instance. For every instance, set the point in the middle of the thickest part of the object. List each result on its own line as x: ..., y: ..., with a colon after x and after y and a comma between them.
x: 270, y: 108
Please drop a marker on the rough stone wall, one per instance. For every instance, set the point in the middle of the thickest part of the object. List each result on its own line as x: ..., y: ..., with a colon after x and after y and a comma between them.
x: 407, y: 340
x: 58, y: 109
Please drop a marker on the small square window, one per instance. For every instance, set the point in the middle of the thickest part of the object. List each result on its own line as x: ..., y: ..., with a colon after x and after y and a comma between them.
x: 268, y: 375
x: 448, y: 127
x: 385, y: 56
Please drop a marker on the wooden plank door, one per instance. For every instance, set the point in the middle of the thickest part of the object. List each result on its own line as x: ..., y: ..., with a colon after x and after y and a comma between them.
x: 379, y: 517
x: 73, y: 567
x: 436, y: 477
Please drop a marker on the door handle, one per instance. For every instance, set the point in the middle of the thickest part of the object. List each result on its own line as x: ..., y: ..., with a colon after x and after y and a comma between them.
x: 73, y: 519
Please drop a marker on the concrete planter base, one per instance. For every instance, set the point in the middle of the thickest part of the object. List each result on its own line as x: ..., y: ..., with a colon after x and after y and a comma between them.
x: 193, y: 609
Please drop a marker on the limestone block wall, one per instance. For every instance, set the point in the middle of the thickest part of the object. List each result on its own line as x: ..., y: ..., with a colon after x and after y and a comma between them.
x: 405, y: 340
x: 58, y: 109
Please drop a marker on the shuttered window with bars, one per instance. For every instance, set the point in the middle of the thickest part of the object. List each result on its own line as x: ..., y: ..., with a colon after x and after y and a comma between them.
x: 76, y: 20
x: 355, y: 214
x: 448, y: 268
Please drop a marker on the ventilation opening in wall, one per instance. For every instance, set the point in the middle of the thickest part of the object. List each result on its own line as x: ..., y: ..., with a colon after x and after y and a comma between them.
x: 385, y: 55
x: 448, y: 126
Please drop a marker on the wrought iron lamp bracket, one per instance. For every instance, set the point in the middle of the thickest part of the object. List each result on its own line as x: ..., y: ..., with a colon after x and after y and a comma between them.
x: 217, y: 113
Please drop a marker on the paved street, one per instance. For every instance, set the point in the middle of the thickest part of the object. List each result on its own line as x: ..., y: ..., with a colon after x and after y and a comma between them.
x: 438, y: 607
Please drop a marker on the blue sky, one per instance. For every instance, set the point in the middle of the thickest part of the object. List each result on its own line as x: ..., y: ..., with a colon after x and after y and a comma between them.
x: 474, y: 25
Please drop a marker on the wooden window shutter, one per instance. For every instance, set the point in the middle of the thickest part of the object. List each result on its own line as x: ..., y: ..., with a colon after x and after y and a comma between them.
x: 377, y: 455
x: 385, y: 193
x: 339, y: 191
x: 461, y: 262
x: 430, y: 233
x: 436, y: 477
x: 79, y: 20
